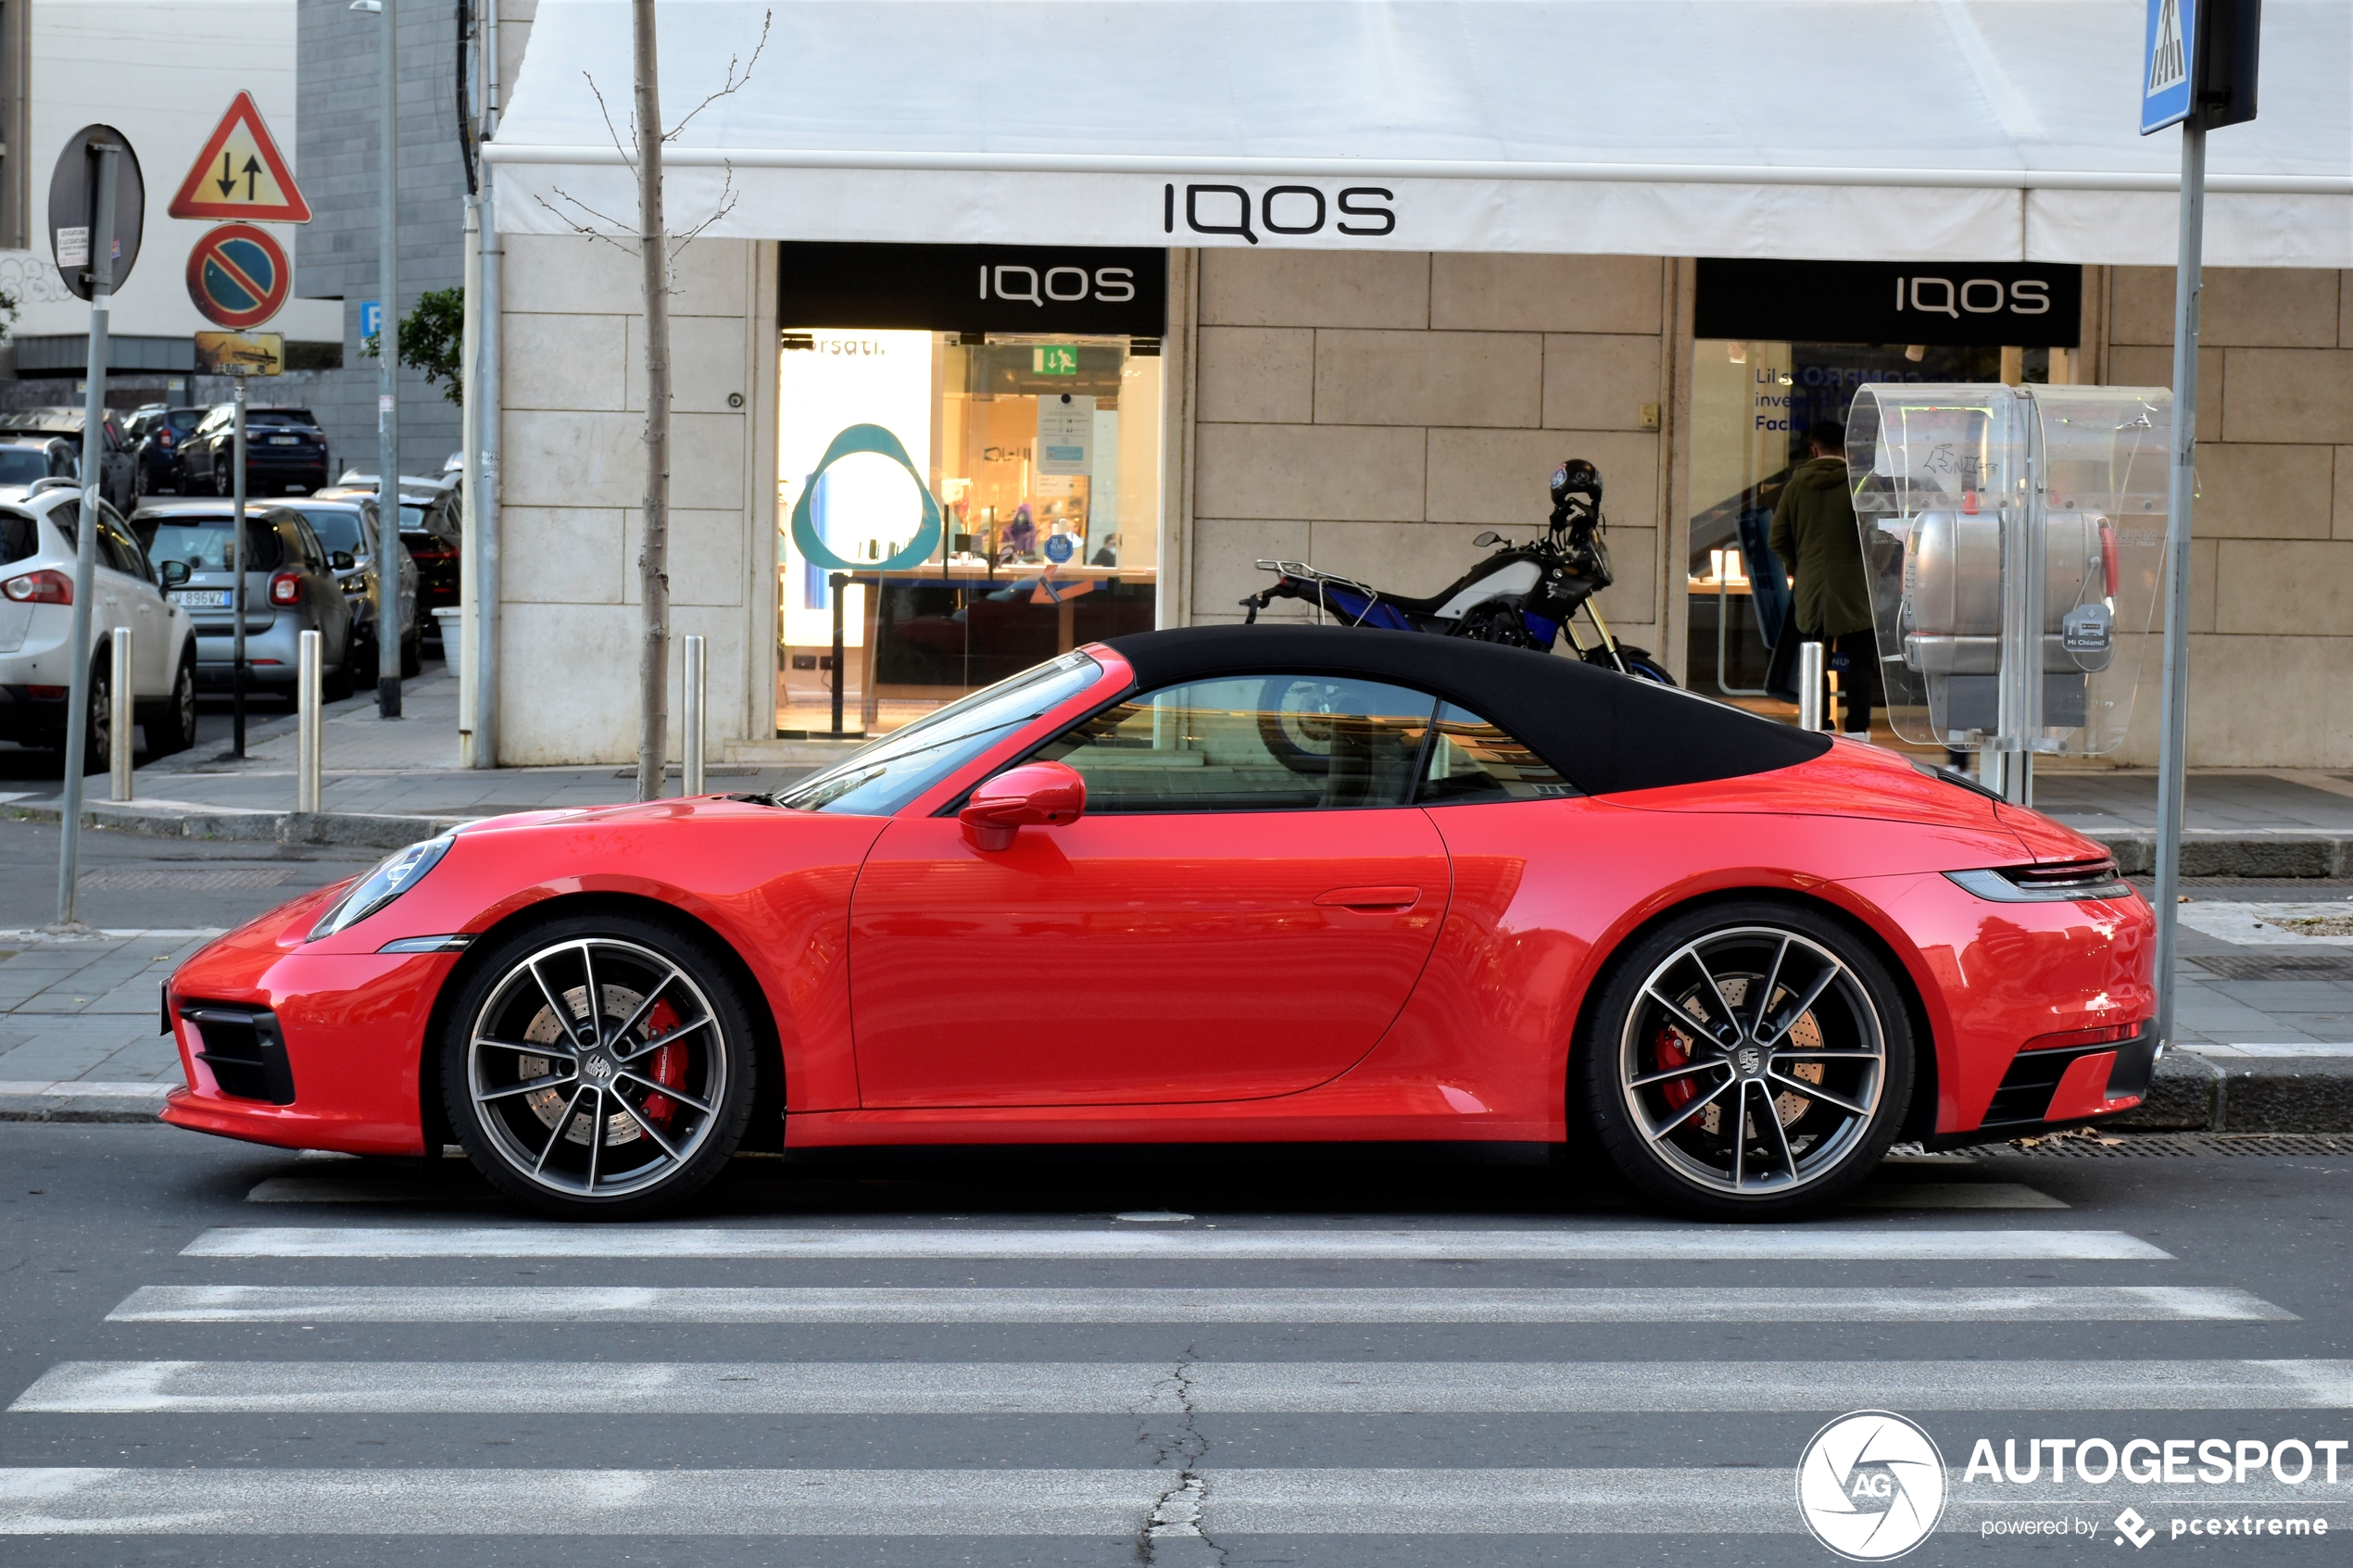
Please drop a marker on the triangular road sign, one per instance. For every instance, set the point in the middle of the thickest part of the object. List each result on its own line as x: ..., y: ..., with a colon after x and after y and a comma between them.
x: 241, y: 174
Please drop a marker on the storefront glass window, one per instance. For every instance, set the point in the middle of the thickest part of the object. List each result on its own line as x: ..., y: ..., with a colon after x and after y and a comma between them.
x: 989, y: 498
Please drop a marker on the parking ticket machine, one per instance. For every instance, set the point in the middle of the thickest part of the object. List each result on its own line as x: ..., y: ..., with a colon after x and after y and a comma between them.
x: 2014, y: 538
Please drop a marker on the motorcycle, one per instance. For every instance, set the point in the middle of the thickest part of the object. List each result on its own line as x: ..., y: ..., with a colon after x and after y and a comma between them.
x: 1523, y: 596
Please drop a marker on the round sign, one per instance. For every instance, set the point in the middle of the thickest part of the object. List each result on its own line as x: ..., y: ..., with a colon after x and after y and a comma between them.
x: 1060, y: 549
x: 238, y: 276
x: 73, y: 200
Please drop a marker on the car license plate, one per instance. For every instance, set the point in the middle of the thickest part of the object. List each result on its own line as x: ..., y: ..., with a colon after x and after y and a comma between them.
x: 201, y: 598
x: 285, y: 441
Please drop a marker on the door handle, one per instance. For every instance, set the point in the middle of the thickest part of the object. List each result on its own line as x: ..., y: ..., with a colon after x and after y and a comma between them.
x: 1371, y: 900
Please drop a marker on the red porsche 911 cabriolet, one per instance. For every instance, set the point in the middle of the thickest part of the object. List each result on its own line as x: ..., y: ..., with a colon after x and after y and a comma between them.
x: 1215, y: 884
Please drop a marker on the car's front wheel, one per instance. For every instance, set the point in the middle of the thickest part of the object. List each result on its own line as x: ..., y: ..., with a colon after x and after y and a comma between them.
x: 600, y: 1066
x: 1748, y: 1060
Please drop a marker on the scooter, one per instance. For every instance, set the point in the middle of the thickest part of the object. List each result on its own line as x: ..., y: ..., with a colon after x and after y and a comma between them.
x: 1523, y: 596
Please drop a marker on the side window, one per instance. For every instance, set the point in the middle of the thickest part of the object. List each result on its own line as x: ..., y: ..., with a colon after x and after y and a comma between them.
x: 1251, y: 743
x: 1472, y: 759
x: 122, y: 550
x: 313, y: 557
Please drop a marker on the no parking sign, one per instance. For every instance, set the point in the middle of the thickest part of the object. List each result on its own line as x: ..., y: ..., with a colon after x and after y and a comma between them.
x: 238, y: 276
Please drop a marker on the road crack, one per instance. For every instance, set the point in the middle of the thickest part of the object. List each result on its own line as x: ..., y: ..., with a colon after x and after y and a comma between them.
x: 1172, y: 1533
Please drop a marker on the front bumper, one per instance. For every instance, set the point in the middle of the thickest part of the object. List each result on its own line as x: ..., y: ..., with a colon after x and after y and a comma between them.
x: 2065, y: 1086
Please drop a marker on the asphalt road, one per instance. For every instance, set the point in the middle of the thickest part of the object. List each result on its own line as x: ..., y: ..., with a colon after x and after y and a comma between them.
x: 1354, y: 1356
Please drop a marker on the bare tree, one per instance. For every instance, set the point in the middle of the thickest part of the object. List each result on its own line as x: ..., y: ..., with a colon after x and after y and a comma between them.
x: 657, y: 251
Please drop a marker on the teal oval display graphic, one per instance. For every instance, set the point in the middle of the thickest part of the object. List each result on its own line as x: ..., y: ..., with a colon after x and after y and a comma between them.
x: 882, y: 443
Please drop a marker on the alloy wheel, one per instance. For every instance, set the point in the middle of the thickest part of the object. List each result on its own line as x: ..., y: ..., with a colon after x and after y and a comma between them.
x: 1753, y: 1061
x: 597, y: 1099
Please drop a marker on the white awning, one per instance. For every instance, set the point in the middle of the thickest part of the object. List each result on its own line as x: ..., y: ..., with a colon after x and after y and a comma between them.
x: 1897, y: 130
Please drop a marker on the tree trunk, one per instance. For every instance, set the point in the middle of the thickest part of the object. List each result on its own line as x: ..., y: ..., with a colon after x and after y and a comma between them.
x: 653, y: 556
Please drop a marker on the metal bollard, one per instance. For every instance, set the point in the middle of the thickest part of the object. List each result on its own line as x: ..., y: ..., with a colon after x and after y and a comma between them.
x: 693, y: 722
x: 308, y: 746
x: 1810, y: 685
x: 120, y: 719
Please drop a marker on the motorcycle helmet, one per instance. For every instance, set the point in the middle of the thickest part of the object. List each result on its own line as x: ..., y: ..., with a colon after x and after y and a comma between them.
x: 1577, y: 477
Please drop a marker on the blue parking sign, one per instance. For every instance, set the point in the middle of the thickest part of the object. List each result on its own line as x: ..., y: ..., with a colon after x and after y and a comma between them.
x: 372, y: 318
x: 2169, y: 59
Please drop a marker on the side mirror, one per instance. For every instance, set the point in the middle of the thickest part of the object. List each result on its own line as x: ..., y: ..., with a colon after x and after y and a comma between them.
x: 341, y: 560
x: 1489, y: 537
x: 173, y: 572
x: 1034, y: 795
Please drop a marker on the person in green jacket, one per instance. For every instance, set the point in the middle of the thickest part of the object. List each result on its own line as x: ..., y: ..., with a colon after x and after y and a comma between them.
x: 1815, y: 535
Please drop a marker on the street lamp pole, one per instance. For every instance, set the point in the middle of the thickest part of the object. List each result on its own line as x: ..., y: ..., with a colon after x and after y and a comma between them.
x: 388, y: 379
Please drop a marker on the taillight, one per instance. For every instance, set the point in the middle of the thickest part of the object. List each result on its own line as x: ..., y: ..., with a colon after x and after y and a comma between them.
x: 286, y: 589
x: 40, y: 588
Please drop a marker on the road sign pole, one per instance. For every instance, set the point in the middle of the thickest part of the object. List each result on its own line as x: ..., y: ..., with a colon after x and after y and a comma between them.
x: 86, y: 547
x: 237, y: 583
x: 388, y: 396
x: 2172, y: 777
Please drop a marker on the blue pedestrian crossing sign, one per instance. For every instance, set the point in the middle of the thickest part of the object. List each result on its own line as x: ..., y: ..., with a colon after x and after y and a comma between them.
x: 2169, y: 59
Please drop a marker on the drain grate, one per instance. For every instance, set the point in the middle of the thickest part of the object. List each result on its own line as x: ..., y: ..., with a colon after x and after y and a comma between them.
x: 2176, y: 1145
x: 2276, y: 966
x: 128, y: 879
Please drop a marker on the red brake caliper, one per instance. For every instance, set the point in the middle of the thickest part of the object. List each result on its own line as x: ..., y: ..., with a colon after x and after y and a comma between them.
x: 1670, y: 1056
x: 670, y: 1061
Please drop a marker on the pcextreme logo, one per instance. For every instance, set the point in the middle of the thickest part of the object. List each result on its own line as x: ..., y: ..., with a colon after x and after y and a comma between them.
x: 1870, y: 1485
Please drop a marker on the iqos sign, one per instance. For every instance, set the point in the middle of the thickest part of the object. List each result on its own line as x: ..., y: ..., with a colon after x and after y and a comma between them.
x: 1979, y: 297
x: 1254, y: 213
x: 1954, y: 303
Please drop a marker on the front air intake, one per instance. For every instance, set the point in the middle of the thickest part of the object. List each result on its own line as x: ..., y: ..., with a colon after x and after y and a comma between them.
x: 243, y: 1049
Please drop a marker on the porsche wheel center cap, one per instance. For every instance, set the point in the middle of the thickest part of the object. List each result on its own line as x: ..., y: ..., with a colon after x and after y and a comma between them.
x: 1750, y: 1061
x: 595, y: 1067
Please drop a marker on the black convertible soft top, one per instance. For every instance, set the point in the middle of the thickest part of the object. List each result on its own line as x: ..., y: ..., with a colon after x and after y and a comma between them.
x: 1604, y: 732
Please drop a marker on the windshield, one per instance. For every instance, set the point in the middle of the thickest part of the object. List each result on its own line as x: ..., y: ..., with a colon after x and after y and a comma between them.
x: 203, y: 542
x: 337, y: 529
x: 22, y: 465
x: 879, y: 779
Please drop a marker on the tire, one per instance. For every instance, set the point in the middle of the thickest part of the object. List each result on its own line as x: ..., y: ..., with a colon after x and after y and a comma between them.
x: 220, y: 485
x: 1656, y: 1082
x: 335, y: 684
x: 97, y: 751
x: 174, y: 727
x: 412, y: 659
x: 1294, y: 724
x: 524, y: 1116
x: 1639, y: 665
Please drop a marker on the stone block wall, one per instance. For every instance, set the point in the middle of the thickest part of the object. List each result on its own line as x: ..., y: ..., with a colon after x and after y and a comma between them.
x: 2271, y: 585
x: 1373, y: 413
x: 574, y: 431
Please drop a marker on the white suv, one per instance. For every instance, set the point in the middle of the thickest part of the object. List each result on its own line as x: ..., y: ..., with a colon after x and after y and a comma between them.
x: 37, y: 540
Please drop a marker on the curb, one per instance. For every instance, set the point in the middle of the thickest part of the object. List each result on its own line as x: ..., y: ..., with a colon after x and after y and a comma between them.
x: 2288, y: 854
x: 163, y: 818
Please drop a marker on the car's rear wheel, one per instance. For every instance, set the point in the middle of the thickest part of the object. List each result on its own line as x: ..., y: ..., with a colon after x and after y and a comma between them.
x: 174, y: 728
x: 1748, y: 1060
x: 608, y: 1107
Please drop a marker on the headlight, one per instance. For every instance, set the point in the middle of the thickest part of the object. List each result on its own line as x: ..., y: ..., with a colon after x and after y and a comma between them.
x: 2073, y: 881
x: 399, y: 873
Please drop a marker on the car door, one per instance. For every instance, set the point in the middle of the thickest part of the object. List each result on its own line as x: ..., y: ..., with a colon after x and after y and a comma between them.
x: 145, y: 610
x: 1240, y: 911
x: 330, y: 610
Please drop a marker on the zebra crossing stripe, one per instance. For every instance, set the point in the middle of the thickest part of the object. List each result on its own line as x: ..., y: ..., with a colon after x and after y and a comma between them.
x: 752, y: 1304
x: 1112, y: 1505
x: 1893, y: 1243
x: 1367, y: 1387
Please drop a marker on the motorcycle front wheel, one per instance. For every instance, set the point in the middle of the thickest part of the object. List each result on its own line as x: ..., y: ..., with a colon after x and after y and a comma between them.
x: 1639, y: 665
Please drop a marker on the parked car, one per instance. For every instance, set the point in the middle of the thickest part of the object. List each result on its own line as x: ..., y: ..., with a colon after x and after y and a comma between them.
x: 25, y: 460
x: 38, y: 538
x: 158, y: 435
x: 431, y: 526
x: 1349, y: 885
x: 349, y: 524
x: 285, y: 453
x: 119, y: 483
x: 291, y: 587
